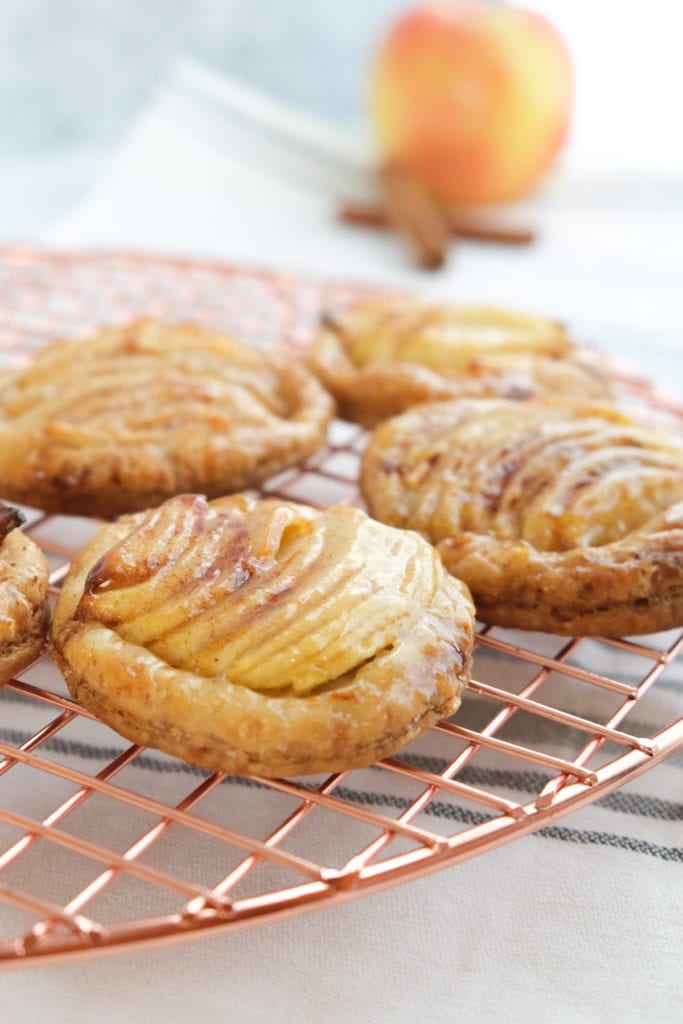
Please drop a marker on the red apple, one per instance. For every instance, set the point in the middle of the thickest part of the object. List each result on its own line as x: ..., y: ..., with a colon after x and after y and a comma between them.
x: 473, y: 98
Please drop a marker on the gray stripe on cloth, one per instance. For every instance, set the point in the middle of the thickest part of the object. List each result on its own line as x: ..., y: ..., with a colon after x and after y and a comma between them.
x: 635, y: 805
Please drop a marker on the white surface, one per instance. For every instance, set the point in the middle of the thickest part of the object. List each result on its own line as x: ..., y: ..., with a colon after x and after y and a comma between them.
x: 435, y: 950
x: 542, y: 930
x: 628, y: 83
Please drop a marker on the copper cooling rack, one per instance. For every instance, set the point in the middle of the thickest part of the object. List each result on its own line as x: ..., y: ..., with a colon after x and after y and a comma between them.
x: 106, y: 846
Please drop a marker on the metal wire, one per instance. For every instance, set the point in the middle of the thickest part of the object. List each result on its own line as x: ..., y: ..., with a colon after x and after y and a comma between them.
x: 225, y: 853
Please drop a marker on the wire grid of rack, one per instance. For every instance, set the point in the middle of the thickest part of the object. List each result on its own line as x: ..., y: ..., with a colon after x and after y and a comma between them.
x: 105, y: 846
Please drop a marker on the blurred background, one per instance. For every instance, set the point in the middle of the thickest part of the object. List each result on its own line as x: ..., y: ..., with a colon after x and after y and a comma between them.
x: 74, y: 73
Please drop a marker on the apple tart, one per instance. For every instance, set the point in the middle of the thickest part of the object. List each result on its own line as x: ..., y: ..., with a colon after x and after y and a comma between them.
x: 382, y: 356
x: 124, y: 420
x: 261, y: 636
x: 24, y: 612
x: 563, y: 517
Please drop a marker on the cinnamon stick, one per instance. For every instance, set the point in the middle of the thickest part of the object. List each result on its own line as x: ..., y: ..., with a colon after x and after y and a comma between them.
x: 463, y: 226
x: 481, y: 232
x: 414, y: 213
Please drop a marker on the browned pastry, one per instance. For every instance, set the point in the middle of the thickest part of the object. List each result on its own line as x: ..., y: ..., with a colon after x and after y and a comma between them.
x: 124, y: 420
x: 263, y: 636
x: 561, y: 517
x: 382, y: 356
x: 23, y: 596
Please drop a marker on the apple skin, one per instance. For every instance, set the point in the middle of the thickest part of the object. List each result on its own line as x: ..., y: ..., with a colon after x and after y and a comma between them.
x: 473, y: 98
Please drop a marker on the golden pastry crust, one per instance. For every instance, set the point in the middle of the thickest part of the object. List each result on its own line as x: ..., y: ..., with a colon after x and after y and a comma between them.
x: 561, y: 517
x: 263, y: 637
x: 382, y: 356
x: 127, y: 419
x: 24, y: 612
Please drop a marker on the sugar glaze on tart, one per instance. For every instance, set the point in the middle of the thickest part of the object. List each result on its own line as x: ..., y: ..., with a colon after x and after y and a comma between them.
x: 561, y: 517
x: 262, y: 636
x: 381, y: 356
x: 24, y: 612
x: 121, y: 421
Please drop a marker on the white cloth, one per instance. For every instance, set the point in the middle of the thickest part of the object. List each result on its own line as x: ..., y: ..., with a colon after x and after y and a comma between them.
x: 197, y: 175
x: 581, y: 923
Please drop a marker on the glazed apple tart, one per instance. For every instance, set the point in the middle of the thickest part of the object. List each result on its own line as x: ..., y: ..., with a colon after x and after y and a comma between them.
x: 381, y: 356
x: 122, y: 421
x: 261, y: 636
x: 24, y: 610
x: 561, y: 517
